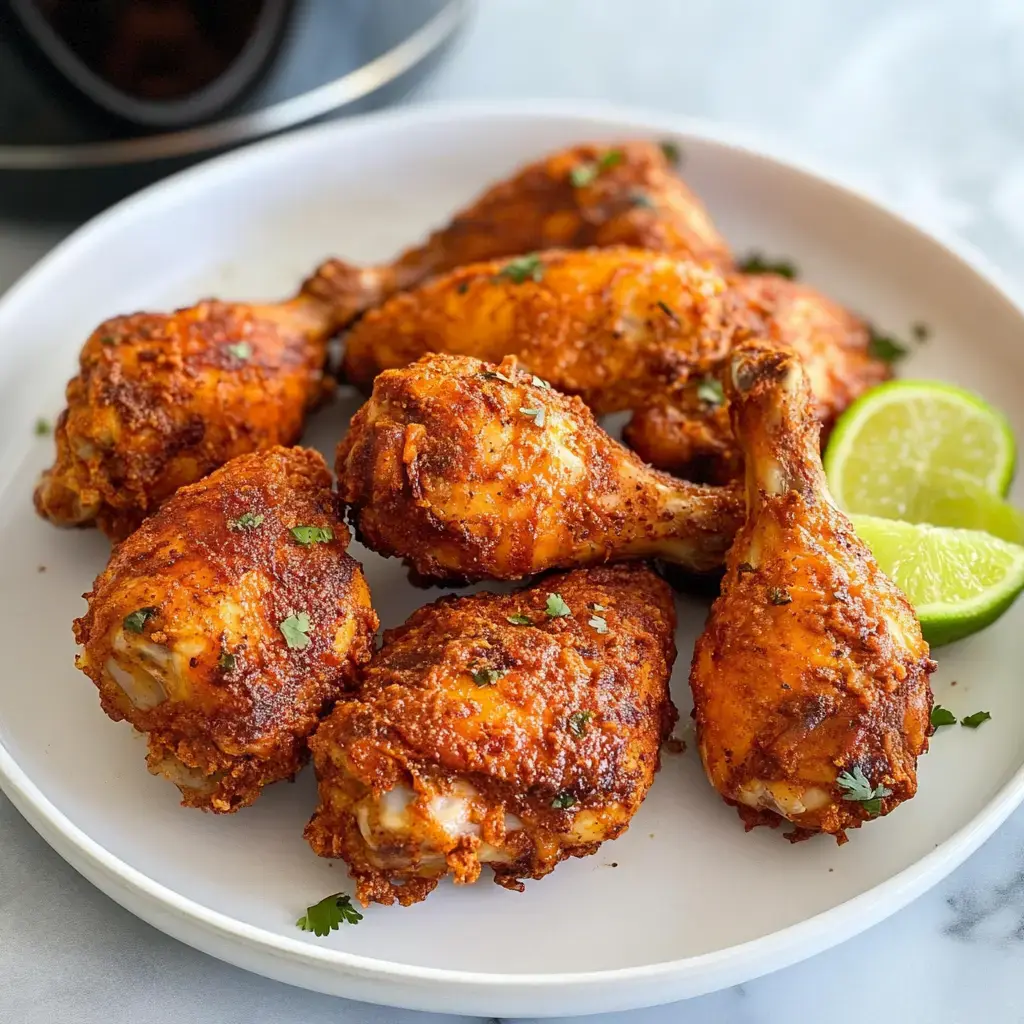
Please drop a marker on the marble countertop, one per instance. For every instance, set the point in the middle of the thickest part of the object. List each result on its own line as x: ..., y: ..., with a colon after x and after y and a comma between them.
x: 921, y: 102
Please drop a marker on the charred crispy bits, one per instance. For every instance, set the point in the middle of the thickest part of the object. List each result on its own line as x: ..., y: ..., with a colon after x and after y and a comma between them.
x: 810, y: 681
x: 473, y: 471
x: 160, y: 400
x: 228, y: 623
x: 511, y: 730
x: 600, y: 195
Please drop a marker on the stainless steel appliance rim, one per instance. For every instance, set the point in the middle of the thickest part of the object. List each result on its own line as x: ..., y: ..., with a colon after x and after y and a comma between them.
x: 325, y: 99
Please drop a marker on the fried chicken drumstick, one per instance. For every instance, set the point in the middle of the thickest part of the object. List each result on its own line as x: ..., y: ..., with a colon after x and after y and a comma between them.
x: 588, y: 195
x: 514, y: 731
x: 228, y: 624
x: 810, y: 681
x: 625, y: 329
x: 473, y: 471
x: 161, y: 400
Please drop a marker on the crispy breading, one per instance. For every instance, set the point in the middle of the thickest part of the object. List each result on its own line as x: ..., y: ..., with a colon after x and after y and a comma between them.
x: 488, y: 731
x: 183, y: 634
x: 812, y: 662
x: 473, y: 471
x: 160, y: 400
x: 624, y: 193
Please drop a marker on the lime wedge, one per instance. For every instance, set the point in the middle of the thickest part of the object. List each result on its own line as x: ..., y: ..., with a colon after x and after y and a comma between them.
x: 959, y: 581
x: 907, y: 437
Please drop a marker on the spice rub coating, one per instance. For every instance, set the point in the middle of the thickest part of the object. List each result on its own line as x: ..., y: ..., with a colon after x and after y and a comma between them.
x: 488, y: 730
x: 160, y: 400
x: 473, y: 471
x: 810, y: 681
x: 222, y: 636
x: 625, y: 193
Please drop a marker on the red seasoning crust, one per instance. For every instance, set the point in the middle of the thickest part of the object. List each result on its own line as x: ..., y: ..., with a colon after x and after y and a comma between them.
x: 560, y: 728
x: 225, y: 702
x: 161, y: 400
x: 628, y: 193
x: 473, y: 471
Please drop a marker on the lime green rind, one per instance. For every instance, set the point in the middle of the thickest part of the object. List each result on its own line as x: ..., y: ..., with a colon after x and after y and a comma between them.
x: 995, y: 473
x: 910, y: 553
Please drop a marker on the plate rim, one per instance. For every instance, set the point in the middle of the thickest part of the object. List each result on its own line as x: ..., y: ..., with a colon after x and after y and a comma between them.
x: 721, y: 967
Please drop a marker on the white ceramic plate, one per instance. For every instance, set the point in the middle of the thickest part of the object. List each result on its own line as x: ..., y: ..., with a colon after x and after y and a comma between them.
x: 685, y: 902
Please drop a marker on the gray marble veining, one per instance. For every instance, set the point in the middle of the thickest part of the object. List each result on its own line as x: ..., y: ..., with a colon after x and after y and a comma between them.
x: 920, y: 101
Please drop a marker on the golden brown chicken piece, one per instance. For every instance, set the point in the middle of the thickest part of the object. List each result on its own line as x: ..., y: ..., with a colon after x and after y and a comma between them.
x: 228, y: 624
x: 686, y: 430
x: 511, y: 730
x: 810, y: 681
x: 160, y: 400
x: 614, y: 326
x: 473, y: 471
x: 625, y: 193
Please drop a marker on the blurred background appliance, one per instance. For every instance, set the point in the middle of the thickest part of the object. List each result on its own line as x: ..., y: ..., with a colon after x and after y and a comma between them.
x: 116, y: 93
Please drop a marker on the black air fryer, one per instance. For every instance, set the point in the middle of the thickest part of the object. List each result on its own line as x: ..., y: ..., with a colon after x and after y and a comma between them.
x: 98, y: 97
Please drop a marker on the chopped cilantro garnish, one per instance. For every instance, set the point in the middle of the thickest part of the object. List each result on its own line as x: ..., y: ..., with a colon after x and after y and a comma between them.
x: 556, y: 608
x: 330, y: 913
x: 294, y: 630
x: 857, y: 787
x: 537, y: 415
x: 523, y: 268
x: 246, y: 521
x: 758, y: 263
x: 134, y: 622
x: 667, y: 310
x: 642, y: 200
x: 886, y: 348
x: 584, y: 174
x: 43, y: 427
x: 673, y: 152
x: 921, y: 332
x: 241, y: 350
x: 578, y: 722
x: 710, y: 391
x: 519, y: 619
x: 973, y: 721
x: 595, y: 607
x: 745, y: 567
x: 539, y: 382
x: 779, y: 595
x: 563, y: 801
x: 496, y: 375
x: 307, y: 536
x: 486, y: 676
x: 942, y: 716
x: 226, y: 661
x: 599, y: 624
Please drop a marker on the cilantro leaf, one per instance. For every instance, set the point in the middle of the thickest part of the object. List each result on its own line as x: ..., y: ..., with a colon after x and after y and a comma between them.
x: 585, y: 173
x: 595, y: 607
x: 487, y: 676
x: 563, y: 801
x: 556, y: 608
x: 973, y: 721
x: 307, y: 536
x: 667, y: 310
x: 710, y: 391
x: 942, y: 716
x: 857, y: 787
x: 241, y: 350
x: 779, y: 596
x: 294, y: 630
x: 329, y: 914
x: 578, y: 722
x: 885, y: 347
x: 523, y: 268
x: 537, y: 415
x: 43, y: 427
x: 226, y: 661
x: 539, y: 382
x: 108, y: 339
x: 744, y: 567
x: 519, y: 619
x: 246, y: 521
x: 642, y: 200
x: 599, y: 624
x: 496, y: 375
x: 673, y: 152
x: 758, y: 263
x: 134, y: 622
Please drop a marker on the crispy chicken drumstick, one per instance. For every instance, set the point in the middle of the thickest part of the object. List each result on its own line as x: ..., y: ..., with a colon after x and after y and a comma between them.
x: 588, y: 195
x: 625, y: 329
x: 473, y: 471
x: 810, y: 681
x: 228, y: 624
x: 161, y: 400
x: 514, y: 731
